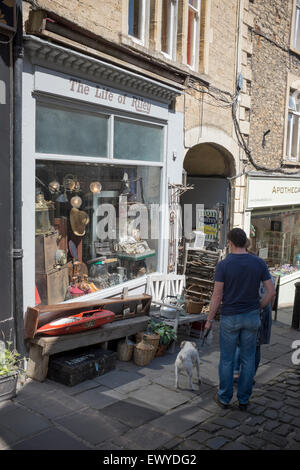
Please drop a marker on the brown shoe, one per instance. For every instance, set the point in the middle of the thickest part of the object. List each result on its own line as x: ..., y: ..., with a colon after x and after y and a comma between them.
x: 224, y: 406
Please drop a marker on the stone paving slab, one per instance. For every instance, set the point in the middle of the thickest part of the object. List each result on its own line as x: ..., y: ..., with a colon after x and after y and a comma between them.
x: 160, y: 398
x: 92, y: 426
x: 52, y: 439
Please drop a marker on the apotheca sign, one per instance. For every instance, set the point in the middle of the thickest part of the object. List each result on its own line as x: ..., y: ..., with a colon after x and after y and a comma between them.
x: 266, y: 192
x: 296, y: 353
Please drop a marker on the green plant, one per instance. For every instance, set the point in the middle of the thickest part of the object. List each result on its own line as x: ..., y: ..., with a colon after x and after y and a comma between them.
x: 165, y: 331
x: 10, y: 359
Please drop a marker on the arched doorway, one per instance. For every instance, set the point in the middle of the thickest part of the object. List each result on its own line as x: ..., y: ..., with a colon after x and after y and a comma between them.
x: 208, y: 168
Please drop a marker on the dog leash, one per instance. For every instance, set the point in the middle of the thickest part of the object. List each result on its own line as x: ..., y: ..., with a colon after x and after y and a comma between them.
x: 205, y: 336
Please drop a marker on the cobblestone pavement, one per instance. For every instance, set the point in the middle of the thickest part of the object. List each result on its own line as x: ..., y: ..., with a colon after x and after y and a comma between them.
x: 134, y: 407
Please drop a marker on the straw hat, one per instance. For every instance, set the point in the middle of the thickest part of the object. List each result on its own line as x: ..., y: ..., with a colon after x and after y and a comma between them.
x: 79, y: 220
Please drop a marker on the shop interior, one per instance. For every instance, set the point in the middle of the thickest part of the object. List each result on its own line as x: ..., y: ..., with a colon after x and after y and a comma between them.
x: 275, y: 237
x: 84, y: 242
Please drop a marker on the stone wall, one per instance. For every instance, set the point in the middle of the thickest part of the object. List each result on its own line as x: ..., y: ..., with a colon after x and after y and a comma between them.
x: 271, y: 62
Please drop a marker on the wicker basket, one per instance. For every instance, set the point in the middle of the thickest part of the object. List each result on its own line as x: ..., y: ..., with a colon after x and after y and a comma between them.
x: 125, y: 350
x: 152, y: 339
x: 143, y: 353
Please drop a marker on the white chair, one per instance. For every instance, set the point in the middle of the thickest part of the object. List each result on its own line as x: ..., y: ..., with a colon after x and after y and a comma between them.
x: 161, y: 286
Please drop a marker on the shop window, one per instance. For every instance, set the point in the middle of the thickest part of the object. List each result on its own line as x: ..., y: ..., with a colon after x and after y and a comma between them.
x: 193, y: 33
x: 292, y: 145
x: 275, y: 238
x: 137, y: 19
x: 97, y: 226
x: 168, y: 27
x: 296, y: 37
x: 69, y: 132
x: 137, y: 141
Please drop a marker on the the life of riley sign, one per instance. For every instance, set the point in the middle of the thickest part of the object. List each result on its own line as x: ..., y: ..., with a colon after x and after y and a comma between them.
x: 269, y: 192
x: 72, y: 87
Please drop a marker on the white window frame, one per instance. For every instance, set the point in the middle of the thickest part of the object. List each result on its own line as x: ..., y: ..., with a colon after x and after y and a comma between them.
x: 143, y: 23
x: 172, y: 30
x: 196, y: 36
x: 294, y: 115
x: 296, y: 24
x: 60, y: 102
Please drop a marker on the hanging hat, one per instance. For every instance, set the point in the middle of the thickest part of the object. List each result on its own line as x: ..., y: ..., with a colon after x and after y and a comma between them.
x: 79, y: 220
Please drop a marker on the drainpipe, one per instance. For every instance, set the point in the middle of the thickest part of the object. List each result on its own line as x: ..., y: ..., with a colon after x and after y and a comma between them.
x: 18, y: 54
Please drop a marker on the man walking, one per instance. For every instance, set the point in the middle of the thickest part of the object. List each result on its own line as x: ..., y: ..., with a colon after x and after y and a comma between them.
x: 237, y: 281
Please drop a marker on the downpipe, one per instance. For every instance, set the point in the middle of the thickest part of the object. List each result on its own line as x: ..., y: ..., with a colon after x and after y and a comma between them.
x: 18, y: 54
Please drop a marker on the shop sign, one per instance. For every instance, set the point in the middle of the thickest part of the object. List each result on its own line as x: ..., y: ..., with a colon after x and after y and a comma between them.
x: 211, y: 224
x: 268, y: 192
x: 72, y: 87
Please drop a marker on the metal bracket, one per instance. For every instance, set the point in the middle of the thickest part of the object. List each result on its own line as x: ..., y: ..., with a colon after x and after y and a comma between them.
x: 17, y: 253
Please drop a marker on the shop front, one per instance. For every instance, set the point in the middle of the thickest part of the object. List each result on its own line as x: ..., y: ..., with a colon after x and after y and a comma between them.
x: 97, y: 159
x: 273, y: 225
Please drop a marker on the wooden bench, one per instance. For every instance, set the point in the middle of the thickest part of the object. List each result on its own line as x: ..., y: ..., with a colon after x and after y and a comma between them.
x: 42, y: 347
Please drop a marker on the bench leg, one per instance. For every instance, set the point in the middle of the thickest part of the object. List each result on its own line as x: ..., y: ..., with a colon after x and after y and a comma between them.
x: 37, y: 367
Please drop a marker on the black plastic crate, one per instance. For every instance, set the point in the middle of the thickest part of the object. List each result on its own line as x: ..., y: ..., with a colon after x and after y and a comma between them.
x: 76, y: 366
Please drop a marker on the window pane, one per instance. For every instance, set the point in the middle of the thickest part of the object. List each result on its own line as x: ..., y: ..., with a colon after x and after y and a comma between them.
x: 289, y: 134
x: 69, y: 132
x: 191, y: 37
x: 137, y: 141
x: 134, y: 18
x: 110, y: 251
x: 297, y: 30
x: 165, y: 27
x: 295, y: 125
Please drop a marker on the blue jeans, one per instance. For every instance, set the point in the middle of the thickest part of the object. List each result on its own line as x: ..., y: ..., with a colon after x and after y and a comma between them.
x: 237, y: 361
x: 240, y: 329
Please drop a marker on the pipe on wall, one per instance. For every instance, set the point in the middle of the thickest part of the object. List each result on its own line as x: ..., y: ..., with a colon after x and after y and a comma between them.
x: 18, y: 54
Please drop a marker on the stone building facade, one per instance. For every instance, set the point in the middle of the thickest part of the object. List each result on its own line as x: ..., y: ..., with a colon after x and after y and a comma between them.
x: 183, y: 59
x: 268, y: 112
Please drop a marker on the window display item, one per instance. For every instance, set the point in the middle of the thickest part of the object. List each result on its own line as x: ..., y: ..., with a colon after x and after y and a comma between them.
x: 42, y: 216
x: 95, y: 187
x: 53, y: 285
x: 54, y: 187
x: 76, y: 323
x: 76, y: 202
x: 79, y: 220
x: 45, y: 252
x: 60, y: 257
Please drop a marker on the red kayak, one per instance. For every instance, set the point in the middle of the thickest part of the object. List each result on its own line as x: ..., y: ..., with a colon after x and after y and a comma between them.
x: 77, y: 323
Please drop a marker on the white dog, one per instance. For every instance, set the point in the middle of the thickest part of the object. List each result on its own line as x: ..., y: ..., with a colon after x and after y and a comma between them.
x: 186, y: 359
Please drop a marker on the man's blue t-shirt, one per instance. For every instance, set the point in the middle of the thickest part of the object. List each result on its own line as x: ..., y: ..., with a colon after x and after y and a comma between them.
x: 242, y: 275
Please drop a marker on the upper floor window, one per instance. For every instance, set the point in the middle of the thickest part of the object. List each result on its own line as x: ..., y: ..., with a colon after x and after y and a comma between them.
x: 169, y: 27
x: 137, y: 19
x: 293, y: 134
x: 193, y: 33
x: 296, y: 38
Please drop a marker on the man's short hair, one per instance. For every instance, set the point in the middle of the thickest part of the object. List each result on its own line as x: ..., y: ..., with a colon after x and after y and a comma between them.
x: 238, y: 237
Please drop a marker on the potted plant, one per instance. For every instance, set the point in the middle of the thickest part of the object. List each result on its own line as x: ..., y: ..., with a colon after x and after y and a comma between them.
x: 167, y: 335
x: 10, y: 366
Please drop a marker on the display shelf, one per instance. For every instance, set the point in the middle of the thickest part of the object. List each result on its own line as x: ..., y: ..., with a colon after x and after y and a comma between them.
x: 200, y: 266
x: 137, y: 257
